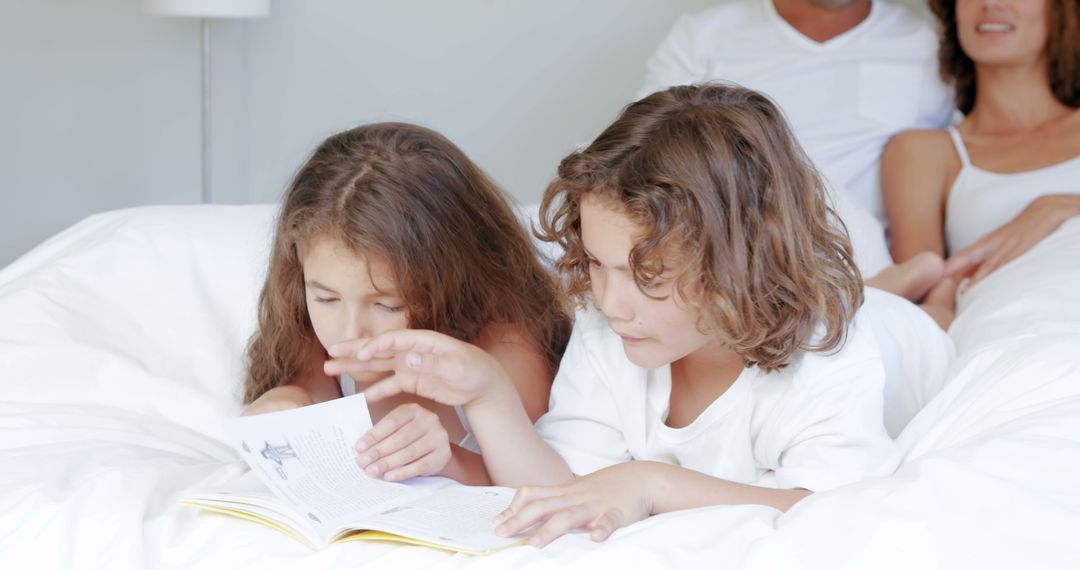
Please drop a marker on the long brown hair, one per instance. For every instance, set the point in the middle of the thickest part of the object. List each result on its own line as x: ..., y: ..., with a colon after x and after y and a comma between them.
x: 715, y: 181
x: 459, y: 256
x: 1062, y: 53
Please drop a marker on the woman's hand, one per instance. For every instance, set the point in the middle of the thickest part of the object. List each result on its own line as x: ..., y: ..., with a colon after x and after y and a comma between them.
x: 407, y: 442
x: 277, y: 399
x: 598, y: 503
x: 1038, y: 220
x: 426, y: 363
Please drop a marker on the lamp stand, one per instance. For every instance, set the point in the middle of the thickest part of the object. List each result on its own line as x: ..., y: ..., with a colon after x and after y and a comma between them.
x: 207, y: 194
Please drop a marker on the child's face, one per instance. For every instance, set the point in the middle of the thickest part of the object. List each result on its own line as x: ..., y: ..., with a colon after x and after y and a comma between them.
x: 348, y: 297
x: 654, y: 332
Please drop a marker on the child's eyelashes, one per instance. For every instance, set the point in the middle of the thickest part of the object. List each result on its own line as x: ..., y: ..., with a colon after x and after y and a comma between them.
x: 390, y: 308
x: 382, y: 306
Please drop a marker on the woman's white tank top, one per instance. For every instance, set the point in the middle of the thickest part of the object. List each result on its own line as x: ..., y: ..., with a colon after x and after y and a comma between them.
x: 981, y: 201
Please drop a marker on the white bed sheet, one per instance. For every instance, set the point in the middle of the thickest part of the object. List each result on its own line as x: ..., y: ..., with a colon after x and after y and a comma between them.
x: 120, y: 353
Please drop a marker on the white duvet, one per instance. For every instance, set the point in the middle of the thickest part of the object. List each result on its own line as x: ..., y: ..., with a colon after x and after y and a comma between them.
x: 120, y: 353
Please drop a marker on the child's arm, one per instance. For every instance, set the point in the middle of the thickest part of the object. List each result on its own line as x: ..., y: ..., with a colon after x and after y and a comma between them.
x: 523, y: 360
x: 514, y: 453
x: 614, y: 497
x: 410, y: 442
x: 466, y: 467
x: 453, y: 372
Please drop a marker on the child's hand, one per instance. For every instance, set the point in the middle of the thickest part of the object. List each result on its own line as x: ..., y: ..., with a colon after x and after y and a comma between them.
x: 598, y: 503
x: 408, y: 442
x: 277, y: 399
x: 426, y: 363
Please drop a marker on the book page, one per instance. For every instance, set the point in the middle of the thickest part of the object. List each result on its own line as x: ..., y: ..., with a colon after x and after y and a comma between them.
x: 305, y: 456
x: 457, y: 516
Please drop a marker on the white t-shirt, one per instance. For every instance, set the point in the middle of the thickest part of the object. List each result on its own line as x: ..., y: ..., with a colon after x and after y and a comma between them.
x: 816, y: 424
x: 845, y: 98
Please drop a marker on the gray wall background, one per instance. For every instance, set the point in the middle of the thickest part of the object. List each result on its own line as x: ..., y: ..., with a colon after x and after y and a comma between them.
x: 99, y: 100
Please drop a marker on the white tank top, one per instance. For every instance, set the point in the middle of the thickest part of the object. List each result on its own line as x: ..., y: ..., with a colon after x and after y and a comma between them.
x: 981, y: 201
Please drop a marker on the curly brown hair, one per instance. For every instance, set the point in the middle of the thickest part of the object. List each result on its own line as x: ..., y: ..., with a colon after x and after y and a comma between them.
x: 457, y: 253
x: 714, y: 179
x: 1063, y: 55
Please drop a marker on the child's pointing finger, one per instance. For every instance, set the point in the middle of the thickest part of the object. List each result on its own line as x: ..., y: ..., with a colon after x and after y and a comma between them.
x: 383, y: 389
x: 340, y: 366
x: 348, y: 348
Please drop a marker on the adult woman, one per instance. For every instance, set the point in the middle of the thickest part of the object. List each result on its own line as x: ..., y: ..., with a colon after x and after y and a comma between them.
x: 990, y: 188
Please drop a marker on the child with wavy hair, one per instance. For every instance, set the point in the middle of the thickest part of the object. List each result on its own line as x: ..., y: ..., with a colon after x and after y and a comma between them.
x: 387, y: 227
x: 725, y: 351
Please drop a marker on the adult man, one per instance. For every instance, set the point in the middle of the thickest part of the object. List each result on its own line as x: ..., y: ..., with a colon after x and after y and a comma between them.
x: 849, y: 74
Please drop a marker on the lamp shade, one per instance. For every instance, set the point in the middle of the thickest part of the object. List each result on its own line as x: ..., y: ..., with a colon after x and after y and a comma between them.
x: 211, y: 8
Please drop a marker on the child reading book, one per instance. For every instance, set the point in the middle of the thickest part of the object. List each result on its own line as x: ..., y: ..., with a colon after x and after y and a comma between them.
x: 387, y: 227
x: 725, y: 353
x: 304, y: 482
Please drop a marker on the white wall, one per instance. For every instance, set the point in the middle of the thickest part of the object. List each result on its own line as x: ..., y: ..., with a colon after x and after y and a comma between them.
x: 99, y: 102
x: 516, y: 84
x: 96, y: 100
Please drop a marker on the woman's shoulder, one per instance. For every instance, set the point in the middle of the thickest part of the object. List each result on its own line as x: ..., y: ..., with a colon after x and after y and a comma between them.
x: 919, y: 144
x: 925, y: 154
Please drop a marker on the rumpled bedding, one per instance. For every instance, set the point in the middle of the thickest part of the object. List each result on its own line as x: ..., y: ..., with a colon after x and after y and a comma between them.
x: 121, y: 352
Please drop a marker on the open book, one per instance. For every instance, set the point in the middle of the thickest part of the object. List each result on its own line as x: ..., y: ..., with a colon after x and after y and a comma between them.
x: 304, y: 481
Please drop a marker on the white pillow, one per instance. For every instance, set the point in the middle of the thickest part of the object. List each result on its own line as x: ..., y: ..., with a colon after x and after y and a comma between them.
x: 146, y: 309
x: 866, y: 233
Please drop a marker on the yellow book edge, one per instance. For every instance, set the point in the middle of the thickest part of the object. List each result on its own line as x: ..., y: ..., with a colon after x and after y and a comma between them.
x: 359, y: 535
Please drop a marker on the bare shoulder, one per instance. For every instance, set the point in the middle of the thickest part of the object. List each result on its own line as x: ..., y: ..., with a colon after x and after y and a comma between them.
x: 926, y: 156
x: 495, y: 334
x: 512, y: 345
x: 313, y: 379
x: 921, y: 145
x: 524, y: 361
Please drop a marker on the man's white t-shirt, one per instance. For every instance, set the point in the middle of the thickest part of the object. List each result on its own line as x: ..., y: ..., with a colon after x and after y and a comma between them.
x: 845, y: 98
x: 816, y: 424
